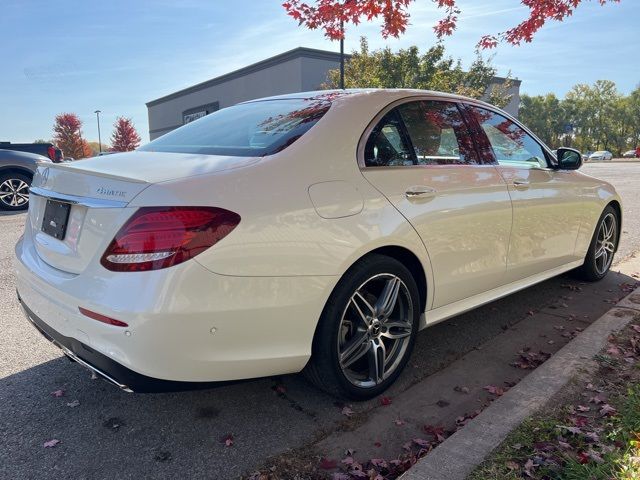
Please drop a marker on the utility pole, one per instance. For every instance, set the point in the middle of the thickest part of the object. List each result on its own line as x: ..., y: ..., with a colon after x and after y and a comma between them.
x: 97, y: 112
x: 342, y: 55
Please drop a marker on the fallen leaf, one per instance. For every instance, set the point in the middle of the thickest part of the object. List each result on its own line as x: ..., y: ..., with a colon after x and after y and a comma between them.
x: 461, y: 389
x: 347, y: 412
x: 385, y: 401
x: 281, y: 389
x: 73, y: 403
x: 51, y: 443
x: 435, y: 432
x: 328, y: 463
x: 377, y: 444
x: 399, y: 422
x: 598, y: 399
x: 607, y: 410
x: 511, y: 465
x: 582, y: 408
x: 421, y: 442
x: 493, y: 390
x: 341, y: 476
x: 58, y: 393
x: 378, y: 462
x: 227, y: 440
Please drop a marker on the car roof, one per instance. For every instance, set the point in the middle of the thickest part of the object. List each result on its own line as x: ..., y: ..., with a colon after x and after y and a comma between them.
x: 358, y: 93
x: 18, y: 154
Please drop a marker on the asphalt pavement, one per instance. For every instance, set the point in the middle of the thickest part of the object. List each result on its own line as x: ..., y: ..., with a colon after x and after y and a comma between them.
x: 106, y: 433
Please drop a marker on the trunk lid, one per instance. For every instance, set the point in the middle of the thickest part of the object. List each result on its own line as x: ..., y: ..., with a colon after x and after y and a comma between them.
x: 98, y: 191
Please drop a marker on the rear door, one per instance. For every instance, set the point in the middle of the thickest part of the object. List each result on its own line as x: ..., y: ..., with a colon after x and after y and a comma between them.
x: 419, y: 154
x: 547, y: 202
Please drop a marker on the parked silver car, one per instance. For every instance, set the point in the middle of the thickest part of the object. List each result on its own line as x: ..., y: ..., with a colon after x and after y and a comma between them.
x: 16, y: 173
x: 630, y: 154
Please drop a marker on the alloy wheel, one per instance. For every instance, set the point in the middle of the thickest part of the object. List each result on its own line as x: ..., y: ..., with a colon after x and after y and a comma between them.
x: 375, y: 330
x: 605, y: 243
x: 14, y: 192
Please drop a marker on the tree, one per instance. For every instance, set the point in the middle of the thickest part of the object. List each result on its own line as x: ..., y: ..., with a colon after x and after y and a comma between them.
x: 432, y: 70
x: 95, y: 148
x: 330, y: 15
x: 67, y: 135
x: 125, y: 137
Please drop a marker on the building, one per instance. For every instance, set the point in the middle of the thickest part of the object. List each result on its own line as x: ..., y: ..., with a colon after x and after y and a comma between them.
x: 298, y: 70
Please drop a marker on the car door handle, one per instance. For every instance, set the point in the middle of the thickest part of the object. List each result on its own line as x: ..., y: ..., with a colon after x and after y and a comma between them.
x: 521, y: 184
x: 420, y: 192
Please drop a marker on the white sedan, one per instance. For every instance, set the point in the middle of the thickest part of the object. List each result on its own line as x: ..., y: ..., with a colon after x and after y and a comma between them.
x: 601, y: 155
x: 315, y: 231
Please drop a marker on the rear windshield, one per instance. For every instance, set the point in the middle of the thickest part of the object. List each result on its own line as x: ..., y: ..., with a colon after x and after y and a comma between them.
x: 245, y: 130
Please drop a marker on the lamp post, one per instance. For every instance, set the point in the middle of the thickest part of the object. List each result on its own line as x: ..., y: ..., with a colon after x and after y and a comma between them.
x: 342, y: 55
x: 97, y: 112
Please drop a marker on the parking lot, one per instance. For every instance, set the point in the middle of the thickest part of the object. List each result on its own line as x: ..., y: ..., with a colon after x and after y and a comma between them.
x: 106, y: 433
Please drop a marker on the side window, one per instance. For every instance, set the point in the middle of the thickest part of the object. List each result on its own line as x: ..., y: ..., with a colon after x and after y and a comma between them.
x: 511, y: 144
x: 387, y: 145
x: 438, y: 133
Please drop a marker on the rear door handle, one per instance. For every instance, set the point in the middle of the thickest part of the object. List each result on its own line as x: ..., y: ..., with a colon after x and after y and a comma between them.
x: 420, y: 192
x: 521, y: 184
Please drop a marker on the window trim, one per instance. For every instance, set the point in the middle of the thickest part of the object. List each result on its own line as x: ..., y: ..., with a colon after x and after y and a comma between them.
x: 458, y: 102
x: 478, y: 130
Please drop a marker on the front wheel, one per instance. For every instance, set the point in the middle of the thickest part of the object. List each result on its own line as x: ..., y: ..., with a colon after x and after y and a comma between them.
x: 602, y: 248
x: 367, y: 330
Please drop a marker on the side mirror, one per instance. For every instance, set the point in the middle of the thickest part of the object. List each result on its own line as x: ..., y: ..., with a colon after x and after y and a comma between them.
x: 569, y: 159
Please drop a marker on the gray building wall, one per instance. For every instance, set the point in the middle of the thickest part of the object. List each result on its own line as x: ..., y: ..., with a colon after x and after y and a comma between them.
x: 298, y: 70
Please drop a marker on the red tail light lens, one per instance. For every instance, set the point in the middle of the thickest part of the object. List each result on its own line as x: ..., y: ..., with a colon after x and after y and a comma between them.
x: 160, y: 237
x: 102, y: 318
x: 51, y: 152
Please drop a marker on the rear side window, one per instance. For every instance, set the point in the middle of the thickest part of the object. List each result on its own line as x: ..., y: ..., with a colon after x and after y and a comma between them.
x: 246, y: 130
x: 429, y: 133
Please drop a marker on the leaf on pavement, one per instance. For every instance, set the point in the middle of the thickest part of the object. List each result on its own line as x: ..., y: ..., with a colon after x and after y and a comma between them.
x: 582, y: 408
x: 347, y: 412
x: 58, y: 393
x: 461, y: 389
x: 385, y: 401
x: 328, y: 463
x: 493, y: 390
x: 227, y: 440
x: 73, y: 403
x: 607, y: 410
x: 421, y: 442
x: 399, y: 422
x: 51, y: 443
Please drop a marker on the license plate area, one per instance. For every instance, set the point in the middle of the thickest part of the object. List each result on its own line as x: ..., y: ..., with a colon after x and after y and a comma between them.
x: 55, y: 218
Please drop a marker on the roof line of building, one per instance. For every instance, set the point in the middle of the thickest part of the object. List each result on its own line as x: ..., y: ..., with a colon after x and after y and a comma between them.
x: 261, y: 65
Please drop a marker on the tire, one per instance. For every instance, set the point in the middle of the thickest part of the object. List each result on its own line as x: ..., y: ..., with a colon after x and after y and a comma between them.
x: 14, y: 191
x: 602, y: 247
x: 356, y: 325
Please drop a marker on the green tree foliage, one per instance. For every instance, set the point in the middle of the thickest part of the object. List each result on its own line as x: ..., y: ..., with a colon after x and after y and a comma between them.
x: 602, y: 118
x: 431, y: 70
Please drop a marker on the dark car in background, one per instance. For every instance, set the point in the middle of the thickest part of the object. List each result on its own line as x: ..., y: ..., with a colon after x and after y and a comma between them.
x: 16, y: 172
x: 48, y: 150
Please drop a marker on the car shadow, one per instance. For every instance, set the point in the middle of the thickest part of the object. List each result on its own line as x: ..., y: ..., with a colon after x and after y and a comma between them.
x: 107, y: 433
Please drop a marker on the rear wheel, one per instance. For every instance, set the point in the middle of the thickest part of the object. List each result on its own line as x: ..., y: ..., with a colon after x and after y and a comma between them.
x: 14, y: 191
x: 602, y: 248
x: 367, y: 330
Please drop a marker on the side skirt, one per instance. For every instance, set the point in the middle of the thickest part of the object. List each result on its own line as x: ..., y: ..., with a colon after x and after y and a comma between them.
x: 439, y: 314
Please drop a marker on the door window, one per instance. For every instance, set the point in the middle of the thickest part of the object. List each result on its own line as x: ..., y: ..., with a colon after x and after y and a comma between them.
x: 511, y: 144
x: 421, y: 133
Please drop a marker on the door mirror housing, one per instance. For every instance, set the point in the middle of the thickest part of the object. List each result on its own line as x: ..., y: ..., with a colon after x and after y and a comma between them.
x: 569, y: 159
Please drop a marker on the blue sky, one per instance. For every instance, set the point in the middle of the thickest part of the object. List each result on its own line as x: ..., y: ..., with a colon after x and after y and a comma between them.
x: 115, y: 55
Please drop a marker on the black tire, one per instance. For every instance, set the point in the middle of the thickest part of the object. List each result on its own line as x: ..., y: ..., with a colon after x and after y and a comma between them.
x: 12, y: 191
x: 324, y: 369
x: 592, y: 270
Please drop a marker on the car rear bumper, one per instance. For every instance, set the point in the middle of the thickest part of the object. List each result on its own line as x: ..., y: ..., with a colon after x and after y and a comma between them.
x: 185, y: 323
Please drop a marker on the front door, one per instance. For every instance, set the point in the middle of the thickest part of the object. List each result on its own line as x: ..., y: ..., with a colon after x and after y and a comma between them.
x: 421, y: 157
x: 546, y: 202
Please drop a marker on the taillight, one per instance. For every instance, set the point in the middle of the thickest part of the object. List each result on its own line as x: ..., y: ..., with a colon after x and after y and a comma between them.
x: 51, y: 152
x: 160, y: 237
x: 102, y: 318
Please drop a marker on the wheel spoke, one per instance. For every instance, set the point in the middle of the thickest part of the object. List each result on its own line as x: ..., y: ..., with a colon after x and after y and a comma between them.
x: 397, y: 330
x: 377, y: 360
x: 365, y: 319
x: 356, y: 348
x: 387, y: 301
x: 600, y: 252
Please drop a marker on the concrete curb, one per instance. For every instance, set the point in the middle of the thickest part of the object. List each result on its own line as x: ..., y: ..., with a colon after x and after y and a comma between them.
x: 462, y: 452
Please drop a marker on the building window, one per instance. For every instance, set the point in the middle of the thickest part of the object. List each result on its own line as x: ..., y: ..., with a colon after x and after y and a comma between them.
x: 195, y: 113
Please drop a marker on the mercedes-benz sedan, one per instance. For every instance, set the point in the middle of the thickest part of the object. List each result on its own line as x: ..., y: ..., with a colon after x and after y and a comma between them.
x: 316, y: 231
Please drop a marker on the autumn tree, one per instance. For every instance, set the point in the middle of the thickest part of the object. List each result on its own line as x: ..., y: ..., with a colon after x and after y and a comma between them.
x: 331, y: 15
x: 125, y: 138
x: 67, y: 135
x: 431, y: 70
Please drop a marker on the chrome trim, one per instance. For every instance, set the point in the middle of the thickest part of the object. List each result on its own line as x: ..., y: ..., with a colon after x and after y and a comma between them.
x: 76, y: 199
x: 457, y: 99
